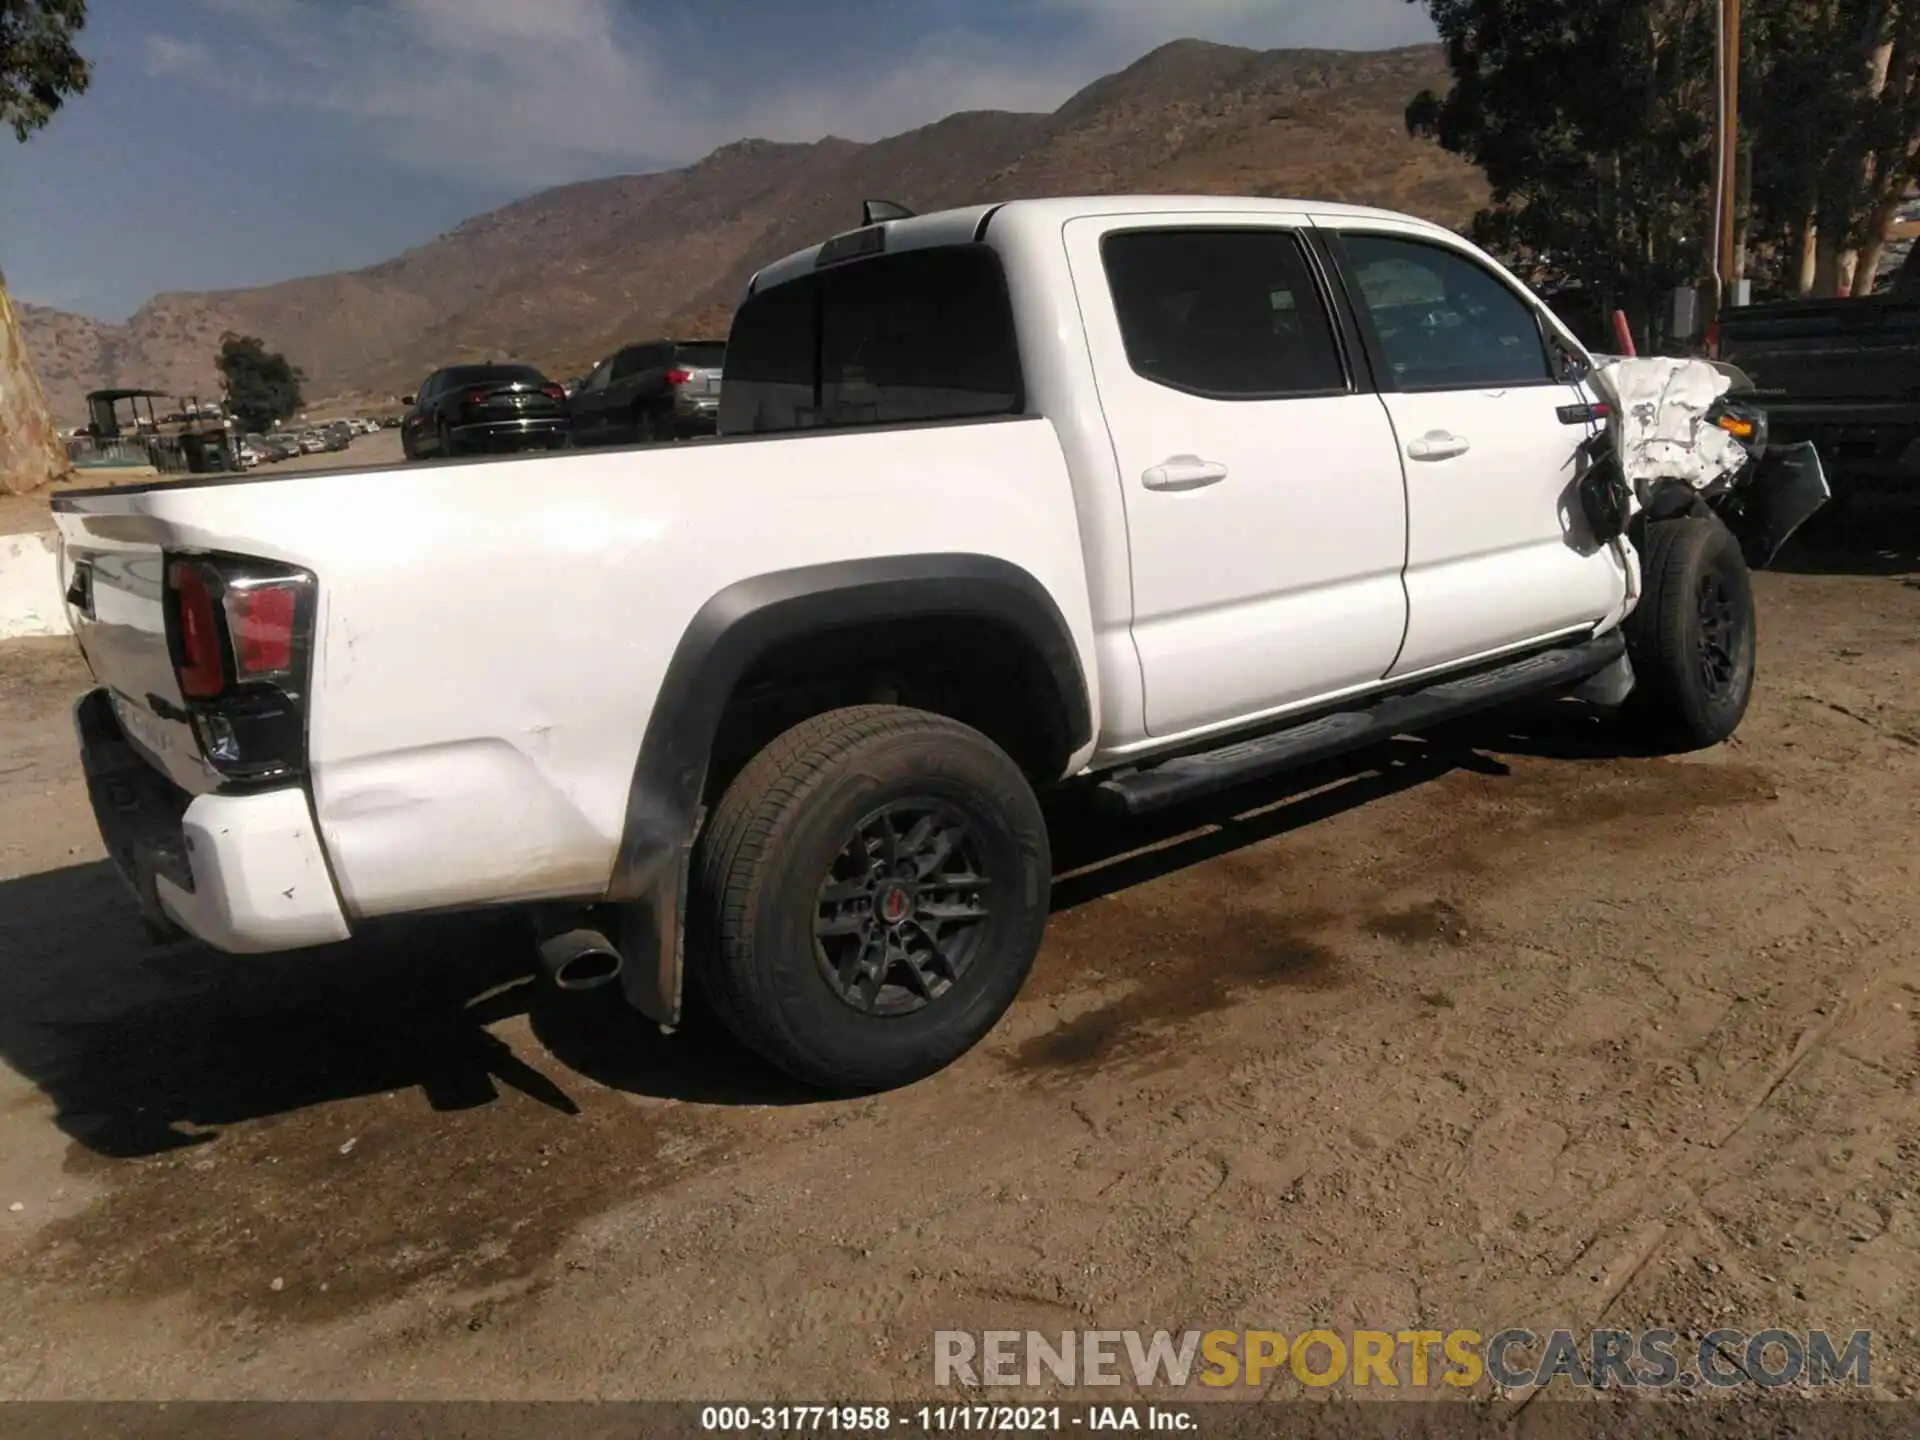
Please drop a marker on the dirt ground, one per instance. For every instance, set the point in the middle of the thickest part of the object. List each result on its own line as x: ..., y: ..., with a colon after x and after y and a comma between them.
x: 1502, y: 1027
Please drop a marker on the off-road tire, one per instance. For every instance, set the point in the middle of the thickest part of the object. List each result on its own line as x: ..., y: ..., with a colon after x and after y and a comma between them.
x: 766, y: 867
x: 1693, y: 637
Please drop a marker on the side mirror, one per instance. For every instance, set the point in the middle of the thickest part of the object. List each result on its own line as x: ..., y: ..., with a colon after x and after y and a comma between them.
x: 406, y: 399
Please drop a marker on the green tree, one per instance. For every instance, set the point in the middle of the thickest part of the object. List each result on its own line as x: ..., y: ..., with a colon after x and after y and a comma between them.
x: 262, y: 387
x: 39, y: 70
x: 1833, y: 112
x: 1593, y: 124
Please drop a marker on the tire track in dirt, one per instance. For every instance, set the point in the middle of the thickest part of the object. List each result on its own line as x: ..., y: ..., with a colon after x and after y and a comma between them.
x: 1196, y: 946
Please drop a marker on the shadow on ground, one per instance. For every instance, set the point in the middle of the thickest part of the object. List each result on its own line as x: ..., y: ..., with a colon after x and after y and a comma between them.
x: 144, y: 1050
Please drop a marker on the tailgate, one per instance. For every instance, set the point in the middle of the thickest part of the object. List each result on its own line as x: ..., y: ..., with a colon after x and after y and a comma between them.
x: 116, y: 603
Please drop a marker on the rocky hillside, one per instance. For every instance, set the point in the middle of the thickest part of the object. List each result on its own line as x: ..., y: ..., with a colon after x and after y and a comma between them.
x: 564, y: 276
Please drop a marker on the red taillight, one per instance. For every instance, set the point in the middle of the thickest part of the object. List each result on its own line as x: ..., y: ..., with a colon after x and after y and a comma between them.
x: 200, y: 665
x: 478, y: 397
x: 679, y: 377
x: 238, y: 633
x: 1713, y: 341
x: 262, y: 620
x: 234, y: 624
x: 553, y: 392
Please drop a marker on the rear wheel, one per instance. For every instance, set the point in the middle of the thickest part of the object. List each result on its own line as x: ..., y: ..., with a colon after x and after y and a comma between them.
x: 869, y: 897
x: 443, y: 439
x: 1693, y: 637
x: 646, y: 428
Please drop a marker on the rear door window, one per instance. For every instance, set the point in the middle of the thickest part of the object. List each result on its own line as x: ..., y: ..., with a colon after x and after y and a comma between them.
x: 1230, y: 314
x: 922, y: 335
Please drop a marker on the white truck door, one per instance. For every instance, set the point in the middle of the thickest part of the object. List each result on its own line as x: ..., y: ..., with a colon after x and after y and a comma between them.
x: 1498, y: 551
x: 1266, y: 511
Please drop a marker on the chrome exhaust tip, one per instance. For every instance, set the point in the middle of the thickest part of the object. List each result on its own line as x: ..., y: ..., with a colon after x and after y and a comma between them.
x: 580, y: 960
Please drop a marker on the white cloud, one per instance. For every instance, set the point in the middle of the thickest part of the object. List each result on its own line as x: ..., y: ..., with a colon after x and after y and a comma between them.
x: 524, y: 93
x: 167, y: 56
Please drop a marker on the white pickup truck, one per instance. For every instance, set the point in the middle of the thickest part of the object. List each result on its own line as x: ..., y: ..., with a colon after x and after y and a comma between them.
x: 1153, y: 496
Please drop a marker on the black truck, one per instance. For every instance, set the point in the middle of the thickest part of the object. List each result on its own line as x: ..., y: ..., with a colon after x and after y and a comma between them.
x: 1843, y: 374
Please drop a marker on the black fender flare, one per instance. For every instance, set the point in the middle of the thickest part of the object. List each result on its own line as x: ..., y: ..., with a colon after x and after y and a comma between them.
x: 732, y: 631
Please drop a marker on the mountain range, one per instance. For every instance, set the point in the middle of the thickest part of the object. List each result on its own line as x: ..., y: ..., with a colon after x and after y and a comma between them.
x: 566, y: 275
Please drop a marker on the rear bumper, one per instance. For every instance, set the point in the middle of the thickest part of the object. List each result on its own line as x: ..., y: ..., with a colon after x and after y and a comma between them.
x: 696, y: 416
x: 503, y: 433
x: 244, y: 873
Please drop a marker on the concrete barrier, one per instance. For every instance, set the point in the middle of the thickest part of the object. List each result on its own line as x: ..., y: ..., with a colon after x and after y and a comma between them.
x: 30, y: 598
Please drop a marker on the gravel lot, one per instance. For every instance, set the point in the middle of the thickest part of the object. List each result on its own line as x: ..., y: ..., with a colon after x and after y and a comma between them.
x: 1514, y: 1029
x: 380, y: 448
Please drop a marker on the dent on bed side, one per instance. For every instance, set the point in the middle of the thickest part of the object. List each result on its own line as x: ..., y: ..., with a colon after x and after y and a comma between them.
x: 422, y: 828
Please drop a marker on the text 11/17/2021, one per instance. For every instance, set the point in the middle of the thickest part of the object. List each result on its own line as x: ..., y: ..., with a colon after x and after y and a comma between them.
x: 944, y: 1419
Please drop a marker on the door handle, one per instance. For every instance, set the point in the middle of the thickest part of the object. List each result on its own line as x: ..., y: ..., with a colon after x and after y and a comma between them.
x: 1437, y: 445
x: 1183, y: 472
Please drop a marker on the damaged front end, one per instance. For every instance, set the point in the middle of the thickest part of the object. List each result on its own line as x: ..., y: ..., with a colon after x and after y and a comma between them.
x: 1679, y: 443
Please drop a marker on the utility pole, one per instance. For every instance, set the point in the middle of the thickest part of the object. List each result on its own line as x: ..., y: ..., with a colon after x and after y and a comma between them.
x: 1726, y: 175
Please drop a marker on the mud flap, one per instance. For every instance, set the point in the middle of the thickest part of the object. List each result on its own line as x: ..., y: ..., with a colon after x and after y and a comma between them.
x: 1787, y: 488
x: 1611, y: 687
x: 653, y: 941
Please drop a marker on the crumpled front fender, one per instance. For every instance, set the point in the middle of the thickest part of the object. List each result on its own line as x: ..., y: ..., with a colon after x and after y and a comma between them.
x: 1665, y: 453
x: 1786, y: 488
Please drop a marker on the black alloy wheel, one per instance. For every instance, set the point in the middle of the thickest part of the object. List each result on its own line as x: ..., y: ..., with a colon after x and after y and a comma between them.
x: 902, y: 909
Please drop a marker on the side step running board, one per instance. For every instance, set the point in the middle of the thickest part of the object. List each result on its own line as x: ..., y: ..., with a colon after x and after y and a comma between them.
x: 1191, y: 776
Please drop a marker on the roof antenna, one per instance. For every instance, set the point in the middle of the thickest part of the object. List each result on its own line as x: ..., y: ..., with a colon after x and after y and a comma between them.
x: 875, y: 212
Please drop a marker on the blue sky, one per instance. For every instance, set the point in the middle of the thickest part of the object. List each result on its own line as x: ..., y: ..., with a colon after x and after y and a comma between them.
x: 237, y: 142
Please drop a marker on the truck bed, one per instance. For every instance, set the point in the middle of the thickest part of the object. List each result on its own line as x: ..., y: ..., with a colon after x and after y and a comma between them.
x: 490, y: 633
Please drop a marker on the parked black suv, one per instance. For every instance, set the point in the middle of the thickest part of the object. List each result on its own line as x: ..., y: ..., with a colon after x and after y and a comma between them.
x: 465, y: 408
x: 656, y: 390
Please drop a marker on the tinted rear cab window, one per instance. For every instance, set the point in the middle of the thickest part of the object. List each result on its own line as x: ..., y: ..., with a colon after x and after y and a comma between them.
x: 921, y: 335
x: 485, y: 374
x: 700, y: 356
